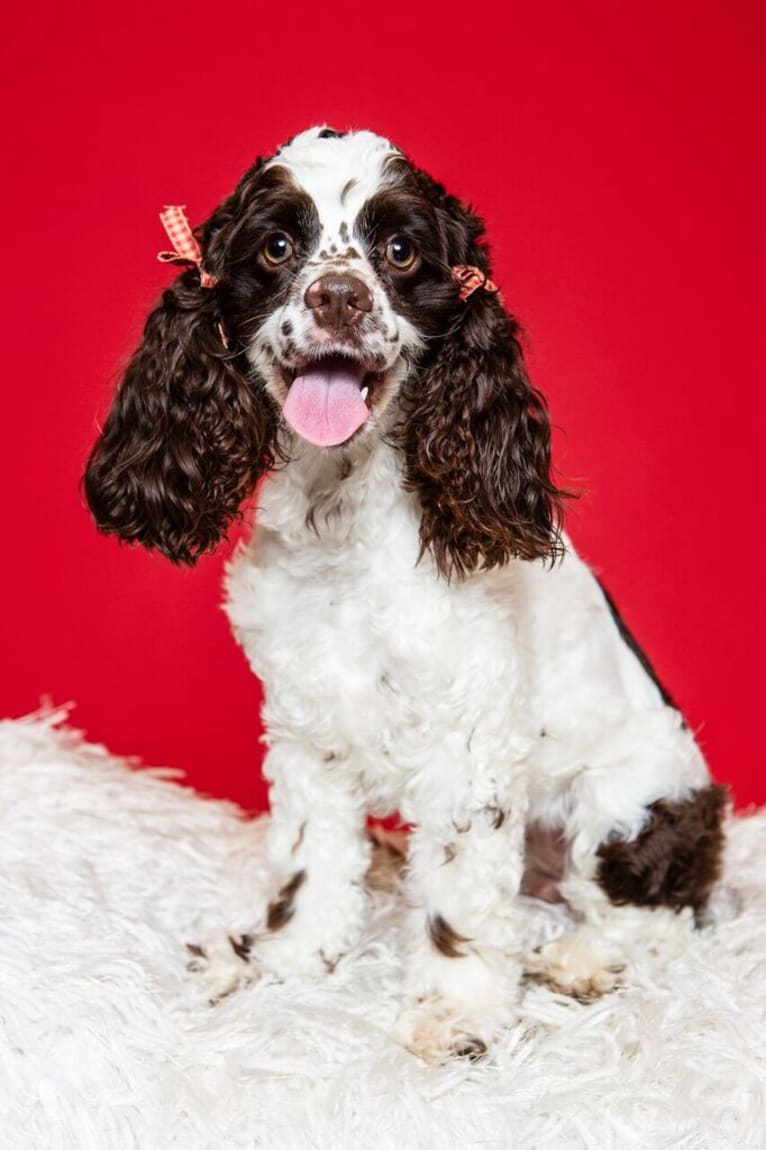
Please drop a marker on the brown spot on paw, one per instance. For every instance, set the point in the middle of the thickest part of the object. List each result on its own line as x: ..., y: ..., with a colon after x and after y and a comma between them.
x: 283, y: 908
x: 472, y: 1049
x: 445, y: 938
x: 241, y: 946
x: 198, y: 960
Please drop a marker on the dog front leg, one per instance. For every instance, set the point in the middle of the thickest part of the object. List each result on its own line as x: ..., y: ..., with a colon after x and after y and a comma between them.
x: 465, y: 871
x: 319, y: 853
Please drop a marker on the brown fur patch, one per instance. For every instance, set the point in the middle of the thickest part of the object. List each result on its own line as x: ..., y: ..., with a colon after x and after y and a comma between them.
x: 472, y: 1049
x: 283, y: 908
x: 389, y: 855
x: 445, y: 938
x: 675, y: 860
x: 545, y: 858
x: 242, y: 946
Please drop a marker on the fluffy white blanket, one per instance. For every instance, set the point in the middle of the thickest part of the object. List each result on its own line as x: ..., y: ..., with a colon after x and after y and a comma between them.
x: 108, y: 1042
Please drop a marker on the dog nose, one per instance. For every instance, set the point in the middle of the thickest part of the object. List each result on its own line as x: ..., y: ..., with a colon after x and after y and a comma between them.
x: 338, y: 300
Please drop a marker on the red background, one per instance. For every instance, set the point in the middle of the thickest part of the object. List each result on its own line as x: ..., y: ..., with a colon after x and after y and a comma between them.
x: 616, y: 151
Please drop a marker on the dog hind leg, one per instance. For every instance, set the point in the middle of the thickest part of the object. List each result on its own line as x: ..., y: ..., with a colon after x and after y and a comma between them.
x: 635, y: 894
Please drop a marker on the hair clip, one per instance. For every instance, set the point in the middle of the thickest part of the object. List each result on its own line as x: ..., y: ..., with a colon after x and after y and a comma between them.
x: 186, y: 250
x: 471, y: 279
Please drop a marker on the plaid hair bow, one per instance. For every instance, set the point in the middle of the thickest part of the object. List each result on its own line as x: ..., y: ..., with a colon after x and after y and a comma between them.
x: 186, y: 250
x: 471, y: 279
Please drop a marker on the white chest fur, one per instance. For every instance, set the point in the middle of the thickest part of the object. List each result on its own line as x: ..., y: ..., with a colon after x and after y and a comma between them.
x: 364, y: 652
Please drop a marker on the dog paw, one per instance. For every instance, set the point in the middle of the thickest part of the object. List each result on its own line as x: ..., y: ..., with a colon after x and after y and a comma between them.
x: 575, y: 964
x: 438, y: 1030
x: 229, y: 962
x: 283, y: 955
x: 223, y: 965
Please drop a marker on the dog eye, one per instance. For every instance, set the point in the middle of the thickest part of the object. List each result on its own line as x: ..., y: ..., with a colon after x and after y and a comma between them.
x: 278, y: 249
x: 401, y: 253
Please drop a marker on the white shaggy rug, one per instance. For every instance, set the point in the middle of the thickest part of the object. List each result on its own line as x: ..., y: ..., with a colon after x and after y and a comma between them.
x: 108, y: 1042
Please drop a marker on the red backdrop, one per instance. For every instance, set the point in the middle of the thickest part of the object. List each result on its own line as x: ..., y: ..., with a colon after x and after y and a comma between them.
x: 615, y: 150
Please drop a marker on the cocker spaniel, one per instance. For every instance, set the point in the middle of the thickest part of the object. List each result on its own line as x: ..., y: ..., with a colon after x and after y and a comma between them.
x: 428, y: 640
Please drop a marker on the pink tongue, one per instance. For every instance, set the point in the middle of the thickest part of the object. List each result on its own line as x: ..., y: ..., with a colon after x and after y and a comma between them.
x: 324, y: 403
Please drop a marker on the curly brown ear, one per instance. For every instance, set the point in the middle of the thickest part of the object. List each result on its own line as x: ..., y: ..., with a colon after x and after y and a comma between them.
x: 476, y: 442
x: 187, y: 437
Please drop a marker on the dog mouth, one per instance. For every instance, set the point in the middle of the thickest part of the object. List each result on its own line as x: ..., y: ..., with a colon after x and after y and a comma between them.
x: 330, y: 398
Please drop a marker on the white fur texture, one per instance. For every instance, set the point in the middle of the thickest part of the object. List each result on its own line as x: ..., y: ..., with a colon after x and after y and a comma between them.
x: 108, y: 1043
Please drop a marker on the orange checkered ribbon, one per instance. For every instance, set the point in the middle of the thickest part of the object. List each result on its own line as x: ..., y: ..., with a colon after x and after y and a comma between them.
x: 471, y: 279
x: 186, y: 250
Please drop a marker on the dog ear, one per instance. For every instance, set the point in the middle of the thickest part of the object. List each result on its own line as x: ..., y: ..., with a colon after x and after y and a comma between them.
x: 476, y: 436
x: 188, y: 434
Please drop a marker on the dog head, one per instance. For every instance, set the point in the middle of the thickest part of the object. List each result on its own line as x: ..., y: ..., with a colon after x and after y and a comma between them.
x: 326, y: 307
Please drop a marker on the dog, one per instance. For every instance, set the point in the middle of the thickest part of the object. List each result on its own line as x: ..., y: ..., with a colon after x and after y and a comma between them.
x: 428, y: 639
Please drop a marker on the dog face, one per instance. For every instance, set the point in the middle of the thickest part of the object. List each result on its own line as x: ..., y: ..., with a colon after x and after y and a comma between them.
x: 332, y: 280
x: 335, y: 346
x: 334, y: 318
